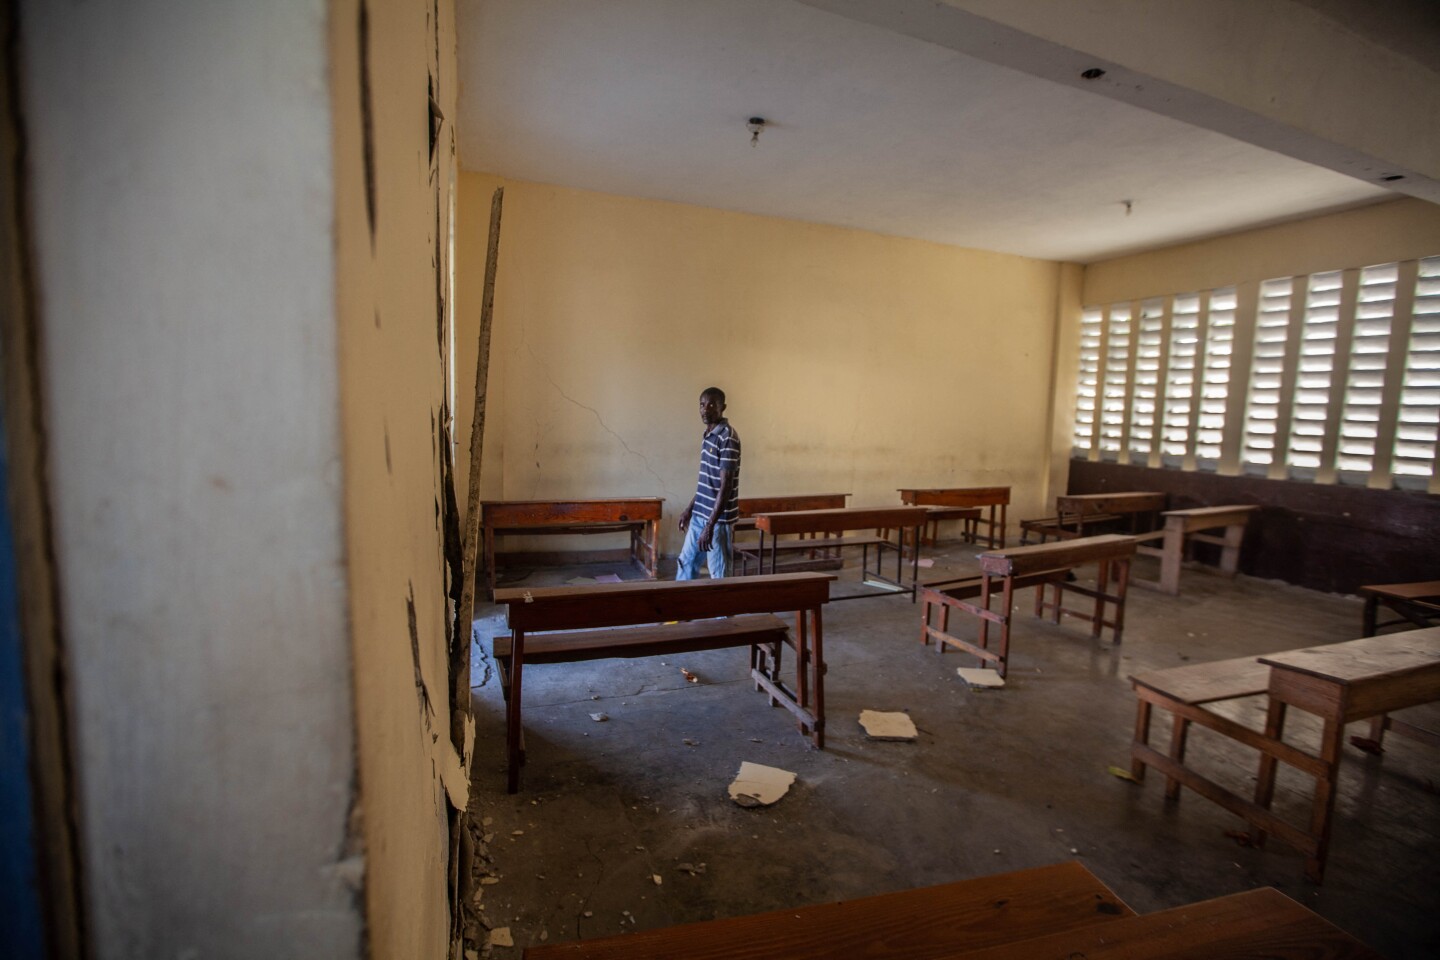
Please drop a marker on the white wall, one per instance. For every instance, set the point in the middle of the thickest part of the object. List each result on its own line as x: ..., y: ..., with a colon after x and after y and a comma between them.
x: 180, y: 162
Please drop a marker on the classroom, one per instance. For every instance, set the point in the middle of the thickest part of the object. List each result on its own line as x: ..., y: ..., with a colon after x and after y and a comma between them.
x: 354, y: 345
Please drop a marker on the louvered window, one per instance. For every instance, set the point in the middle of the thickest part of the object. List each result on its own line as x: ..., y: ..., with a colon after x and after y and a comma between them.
x: 1343, y: 375
x: 1215, y: 379
x: 1365, y: 382
x: 1267, y: 373
x: 1088, y: 380
x: 1145, y: 396
x: 1318, y: 330
x: 1180, y: 380
x: 1117, y: 381
x: 1419, y: 408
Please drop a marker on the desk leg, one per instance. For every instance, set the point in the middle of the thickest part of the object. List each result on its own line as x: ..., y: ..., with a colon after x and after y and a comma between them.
x: 1172, y: 551
x: 1000, y: 545
x: 1230, y: 553
x: 914, y: 575
x: 817, y: 661
x: 1102, y: 583
x: 802, y: 660
x: 514, y: 753
x: 1331, y: 744
x: 1142, y: 736
x: 488, y: 536
x: 1008, y: 594
x: 1122, y: 584
x: 1179, y: 734
x: 1372, y: 606
x: 1265, y: 779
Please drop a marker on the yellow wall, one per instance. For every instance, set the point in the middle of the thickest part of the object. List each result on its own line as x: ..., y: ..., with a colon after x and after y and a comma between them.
x: 853, y: 362
x: 392, y: 384
x: 1382, y: 233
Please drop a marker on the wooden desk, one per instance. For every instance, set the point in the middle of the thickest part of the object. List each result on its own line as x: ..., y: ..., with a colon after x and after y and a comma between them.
x: 1242, y: 926
x: 671, y: 604
x: 1038, y: 565
x: 1416, y: 603
x: 1342, y: 683
x: 1185, y: 526
x: 992, y: 498
x: 639, y: 516
x: 1339, y: 682
x: 750, y: 506
x: 1076, y: 512
x: 902, y: 519
x: 919, y: 924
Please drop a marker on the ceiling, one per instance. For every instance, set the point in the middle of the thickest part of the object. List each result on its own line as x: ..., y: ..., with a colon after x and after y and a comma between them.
x: 865, y: 128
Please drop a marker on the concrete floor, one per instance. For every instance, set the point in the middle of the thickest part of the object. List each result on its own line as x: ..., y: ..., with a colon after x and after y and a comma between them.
x: 998, y: 780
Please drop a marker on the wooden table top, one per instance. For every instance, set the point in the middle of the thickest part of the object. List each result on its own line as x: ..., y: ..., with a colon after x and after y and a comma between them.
x: 1369, y: 658
x: 497, y: 513
x: 1213, y: 511
x: 841, y: 518
x: 1424, y: 590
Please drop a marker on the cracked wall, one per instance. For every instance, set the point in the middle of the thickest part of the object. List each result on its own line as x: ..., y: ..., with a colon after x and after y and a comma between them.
x: 853, y: 362
x: 393, y: 84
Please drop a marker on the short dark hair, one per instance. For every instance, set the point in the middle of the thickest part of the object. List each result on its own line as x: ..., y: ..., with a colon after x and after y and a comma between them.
x: 715, y: 392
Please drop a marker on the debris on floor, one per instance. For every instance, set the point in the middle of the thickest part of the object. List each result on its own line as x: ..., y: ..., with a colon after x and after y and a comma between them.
x: 887, y: 726
x: 580, y: 581
x: 757, y: 785
x: 1371, y: 747
x: 690, y: 741
x: 926, y: 562
x: 500, y: 937
x: 694, y: 869
x: 1122, y: 773
x: 689, y: 677
x: 657, y: 878
x: 1241, y: 838
x: 599, y: 717
x: 608, y: 578
x: 980, y: 678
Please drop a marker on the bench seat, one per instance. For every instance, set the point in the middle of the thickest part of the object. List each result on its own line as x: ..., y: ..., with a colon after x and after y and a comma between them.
x: 572, y: 646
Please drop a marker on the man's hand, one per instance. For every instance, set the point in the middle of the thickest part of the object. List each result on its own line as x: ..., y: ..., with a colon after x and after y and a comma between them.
x: 707, y: 535
x: 685, y: 517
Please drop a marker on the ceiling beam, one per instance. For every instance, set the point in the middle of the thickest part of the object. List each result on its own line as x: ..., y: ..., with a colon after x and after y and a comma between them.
x: 1341, y: 84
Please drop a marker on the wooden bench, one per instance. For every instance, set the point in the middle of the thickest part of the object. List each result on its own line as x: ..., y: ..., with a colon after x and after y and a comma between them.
x: 1418, y: 605
x: 1039, y: 566
x: 1340, y: 683
x: 564, y: 624
x: 750, y: 506
x: 908, y: 521
x: 964, y: 503
x: 1241, y: 926
x: 638, y: 516
x: 1079, y: 515
x: 924, y: 924
x: 1183, y: 527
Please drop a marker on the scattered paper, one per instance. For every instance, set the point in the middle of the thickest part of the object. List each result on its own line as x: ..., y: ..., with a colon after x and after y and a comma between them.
x: 657, y: 878
x: 607, y: 578
x: 926, y: 562
x: 980, y: 677
x: 578, y: 581
x: 690, y: 742
x: 887, y: 726
x: 689, y: 677
x: 500, y: 937
x: 486, y: 881
x: 599, y: 717
x: 757, y: 785
x: 1122, y: 773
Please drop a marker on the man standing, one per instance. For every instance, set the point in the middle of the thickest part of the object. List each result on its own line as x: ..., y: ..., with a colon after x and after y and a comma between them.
x: 710, y: 518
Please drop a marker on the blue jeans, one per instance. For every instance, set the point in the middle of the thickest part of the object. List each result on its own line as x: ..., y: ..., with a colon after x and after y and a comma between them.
x: 717, y: 558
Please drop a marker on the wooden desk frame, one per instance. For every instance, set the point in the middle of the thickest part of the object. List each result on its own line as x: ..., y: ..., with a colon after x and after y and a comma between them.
x: 1340, y: 683
x: 902, y: 519
x: 989, y: 498
x: 1075, y: 511
x: 1417, y: 604
x: 1039, y: 566
x: 539, y: 609
x: 638, y: 516
x: 1183, y: 527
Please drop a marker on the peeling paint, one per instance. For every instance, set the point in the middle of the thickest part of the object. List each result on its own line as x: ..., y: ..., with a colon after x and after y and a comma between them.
x: 421, y: 690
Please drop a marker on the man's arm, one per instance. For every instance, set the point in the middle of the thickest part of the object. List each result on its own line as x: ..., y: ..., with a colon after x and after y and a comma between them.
x: 685, y: 514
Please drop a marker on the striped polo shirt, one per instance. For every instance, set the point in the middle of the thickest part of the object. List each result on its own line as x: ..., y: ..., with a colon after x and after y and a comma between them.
x: 720, y: 450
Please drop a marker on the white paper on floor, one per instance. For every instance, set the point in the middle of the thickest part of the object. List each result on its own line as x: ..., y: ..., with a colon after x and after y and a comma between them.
x: 607, y: 578
x: 980, y: 677
x: 887, y: 726
x: 757, y: 785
